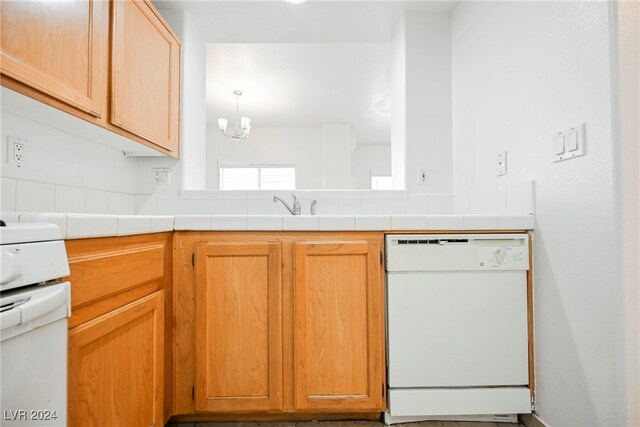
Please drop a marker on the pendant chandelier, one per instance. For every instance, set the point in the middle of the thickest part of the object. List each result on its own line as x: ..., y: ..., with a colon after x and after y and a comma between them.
x: 242, y: 126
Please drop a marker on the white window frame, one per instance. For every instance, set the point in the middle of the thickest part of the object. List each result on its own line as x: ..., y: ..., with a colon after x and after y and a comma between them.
x: 259, y: 166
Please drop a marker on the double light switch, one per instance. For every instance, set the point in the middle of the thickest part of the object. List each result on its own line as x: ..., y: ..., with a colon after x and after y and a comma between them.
x: 569, y: 143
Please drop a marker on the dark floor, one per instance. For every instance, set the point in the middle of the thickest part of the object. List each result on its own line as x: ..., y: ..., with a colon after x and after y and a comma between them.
x: 341, y: 424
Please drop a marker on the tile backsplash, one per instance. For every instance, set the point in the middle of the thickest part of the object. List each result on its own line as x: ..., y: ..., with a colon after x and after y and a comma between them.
x: 19, y: 195
x: 31, y: 196
x: 510, y: 199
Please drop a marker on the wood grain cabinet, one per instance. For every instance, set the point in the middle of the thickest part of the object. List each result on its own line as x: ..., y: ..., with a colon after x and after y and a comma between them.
x: 59, y: 48
x: 119, y: 335
x: 338, y: 326
x: 116, y: 364
x: 145, y: 74
x: 238, y: 327
x: 113, y: 63
x: 278, y: 323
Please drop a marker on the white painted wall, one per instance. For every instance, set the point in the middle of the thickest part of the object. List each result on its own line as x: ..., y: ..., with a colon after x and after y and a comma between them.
x: 398, y: 77
x: 367, y: 160
x: 69, y: 166
x: 428, y: 101
x: 338, y: 142
x: 193, y: 125
x: 522, y: 71
x: 421, y: 102
x: 301, y: 147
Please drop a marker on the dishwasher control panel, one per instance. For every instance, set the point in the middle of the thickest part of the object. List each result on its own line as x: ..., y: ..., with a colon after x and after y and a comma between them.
x: 456, y: 252
x: 502, y: 257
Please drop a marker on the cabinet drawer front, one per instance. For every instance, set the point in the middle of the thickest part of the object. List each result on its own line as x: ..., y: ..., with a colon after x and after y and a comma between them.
x: 116, y: 367
x: 145, y: 74
x: 338, y: 330
x: 102, y: 274
x: 58, y: 48
x: 238, y: 327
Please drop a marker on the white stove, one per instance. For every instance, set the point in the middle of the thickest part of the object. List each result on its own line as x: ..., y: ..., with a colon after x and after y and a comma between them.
x: 34, y: 307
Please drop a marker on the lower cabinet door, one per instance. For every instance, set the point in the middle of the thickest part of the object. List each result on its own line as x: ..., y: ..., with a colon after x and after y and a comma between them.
x: 238, y: 328
x: 339, y: 328
x: 116, y: 367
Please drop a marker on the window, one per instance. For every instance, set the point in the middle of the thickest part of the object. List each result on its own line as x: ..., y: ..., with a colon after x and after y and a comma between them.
x: 381, y: 183
x: 257, y: 177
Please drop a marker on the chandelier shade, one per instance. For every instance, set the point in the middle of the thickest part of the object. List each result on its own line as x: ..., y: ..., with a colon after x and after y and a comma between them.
x: 242, y: 126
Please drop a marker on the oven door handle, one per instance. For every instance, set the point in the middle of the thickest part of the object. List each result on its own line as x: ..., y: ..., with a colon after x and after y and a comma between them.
x: 36, y: 306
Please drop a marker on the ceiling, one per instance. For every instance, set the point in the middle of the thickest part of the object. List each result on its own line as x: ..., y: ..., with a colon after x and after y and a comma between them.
x: 321, y: 62
x: 291, y: 85
x: 316, y: 21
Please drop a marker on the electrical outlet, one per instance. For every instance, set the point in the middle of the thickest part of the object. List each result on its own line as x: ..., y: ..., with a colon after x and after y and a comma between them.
x: 162, y: 176
x: 16, y: 148
x: 422, y: 176
x: 501, y: 164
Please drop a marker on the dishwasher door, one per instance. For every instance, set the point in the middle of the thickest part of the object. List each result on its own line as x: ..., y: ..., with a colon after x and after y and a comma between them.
x: 457, y: 329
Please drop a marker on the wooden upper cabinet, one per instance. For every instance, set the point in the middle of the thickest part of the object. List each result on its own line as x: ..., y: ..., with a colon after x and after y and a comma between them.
x: 339, y: 328
x: 145, y: 73
x: 116, y: 367
x: 59, y: 48
x: 238, y: 327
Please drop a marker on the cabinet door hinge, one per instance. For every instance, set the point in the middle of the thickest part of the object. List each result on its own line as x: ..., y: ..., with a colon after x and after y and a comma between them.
x: 193, y: 259
x: 193, y: 393
x: 383, y: 389
x: 381, y: 258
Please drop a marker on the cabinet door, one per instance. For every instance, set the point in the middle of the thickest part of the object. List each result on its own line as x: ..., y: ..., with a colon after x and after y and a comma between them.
x: 58, y: 48
x: 145, y: 74
x: 116, y: 367
x: 238, y: 327
x: 338, y: 334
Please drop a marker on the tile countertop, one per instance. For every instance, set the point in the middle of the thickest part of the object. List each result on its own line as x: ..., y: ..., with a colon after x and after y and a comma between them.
x: 78, y: 226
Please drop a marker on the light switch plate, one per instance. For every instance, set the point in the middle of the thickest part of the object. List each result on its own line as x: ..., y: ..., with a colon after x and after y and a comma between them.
x: 569, y: 143
x: 501, y: 163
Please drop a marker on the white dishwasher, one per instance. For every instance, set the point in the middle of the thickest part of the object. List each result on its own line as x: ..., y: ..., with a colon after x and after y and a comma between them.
x: 457, y: 337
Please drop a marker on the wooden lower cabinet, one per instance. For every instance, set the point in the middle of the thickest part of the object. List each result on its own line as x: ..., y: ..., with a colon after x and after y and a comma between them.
x: 338, y: 326
x: 238, y: 324
x: 119, y: 369
x: 278, y: 323
x: 116, y: 367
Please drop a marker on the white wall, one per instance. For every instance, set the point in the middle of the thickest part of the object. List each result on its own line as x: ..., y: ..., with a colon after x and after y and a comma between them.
x: 398, y: 77
x: 522, y: 71
x: 193, y: 99
x: 338, y: 142
x: 428, y: 102
x: 367, y: 160
x: 301, y: 147
x: 65, y: 169
x: 421, y: 102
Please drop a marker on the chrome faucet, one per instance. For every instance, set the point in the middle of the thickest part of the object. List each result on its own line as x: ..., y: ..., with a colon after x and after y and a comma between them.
x: 296, y: 204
